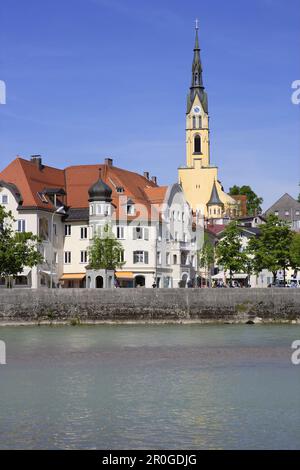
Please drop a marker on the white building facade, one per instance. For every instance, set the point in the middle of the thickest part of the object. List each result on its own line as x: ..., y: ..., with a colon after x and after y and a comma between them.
x: 154, y: 224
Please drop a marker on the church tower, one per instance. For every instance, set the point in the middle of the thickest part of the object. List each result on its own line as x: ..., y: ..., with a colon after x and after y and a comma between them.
x: 197, y: 121
x: 198, y: 178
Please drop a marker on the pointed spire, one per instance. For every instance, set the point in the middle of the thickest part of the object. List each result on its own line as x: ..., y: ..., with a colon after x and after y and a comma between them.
x: 214, y: 198
x: 197, y: 86
x: 197, y: 81
x: 197, y: 48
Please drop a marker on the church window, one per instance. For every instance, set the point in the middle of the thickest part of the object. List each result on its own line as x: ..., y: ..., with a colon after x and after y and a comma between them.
x: 197, y: 144
x: 194, y: 122
x: 196, y: 79
x: 200, y: 122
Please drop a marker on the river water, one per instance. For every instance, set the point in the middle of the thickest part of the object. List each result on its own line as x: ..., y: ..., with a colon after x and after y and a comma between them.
x: 150, y: 387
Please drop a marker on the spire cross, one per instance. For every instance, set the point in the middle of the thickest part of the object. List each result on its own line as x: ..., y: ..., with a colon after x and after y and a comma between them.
x: 197, y: 24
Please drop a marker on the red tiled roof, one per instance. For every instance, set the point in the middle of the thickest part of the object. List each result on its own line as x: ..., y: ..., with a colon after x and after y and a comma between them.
x: 76, y: 181
x: 215, y: 229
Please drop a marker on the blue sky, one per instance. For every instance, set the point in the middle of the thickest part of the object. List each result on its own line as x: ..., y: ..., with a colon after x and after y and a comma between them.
x: 88, y: 79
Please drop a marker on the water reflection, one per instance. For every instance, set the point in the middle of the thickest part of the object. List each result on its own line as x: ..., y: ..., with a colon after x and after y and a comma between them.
x: 149, y: 387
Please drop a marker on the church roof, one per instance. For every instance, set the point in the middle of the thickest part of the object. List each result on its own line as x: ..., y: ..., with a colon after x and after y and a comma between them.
x: 214, y: 198
x: 197, y: 87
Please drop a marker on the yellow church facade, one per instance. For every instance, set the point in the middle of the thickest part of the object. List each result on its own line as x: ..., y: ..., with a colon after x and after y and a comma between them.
x: 198, y: 178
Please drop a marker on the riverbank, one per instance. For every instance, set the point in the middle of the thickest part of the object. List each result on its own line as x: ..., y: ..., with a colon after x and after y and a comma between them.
x: 153, y: 306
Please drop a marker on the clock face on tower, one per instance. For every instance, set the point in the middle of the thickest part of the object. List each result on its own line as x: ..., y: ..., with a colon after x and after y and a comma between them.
x: 196, y: 109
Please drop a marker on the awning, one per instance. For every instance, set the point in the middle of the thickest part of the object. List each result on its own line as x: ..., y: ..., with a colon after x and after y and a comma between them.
x: 240, y: 276
x: 72, y: 277
x: 218, y: 276
x: 124, y: 275
x: 25, y: 272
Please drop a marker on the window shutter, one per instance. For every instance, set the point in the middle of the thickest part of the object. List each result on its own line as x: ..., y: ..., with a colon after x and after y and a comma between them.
x: 134, y: 233
x: 146, y: 257
x: 146, y: 233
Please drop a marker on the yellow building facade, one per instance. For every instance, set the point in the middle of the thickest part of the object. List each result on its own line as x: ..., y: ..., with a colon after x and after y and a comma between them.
x: 198, y: 178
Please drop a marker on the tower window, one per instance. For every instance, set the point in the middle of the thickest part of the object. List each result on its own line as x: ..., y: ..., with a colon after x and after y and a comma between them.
x: 194, y: 122
x: 196, y: 79
x: 197, y: 144
x: 200, y: 122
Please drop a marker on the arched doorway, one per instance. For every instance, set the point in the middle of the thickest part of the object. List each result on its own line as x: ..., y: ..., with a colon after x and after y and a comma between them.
x: 140, y: 281
x: 99, y: 282
x: 183, y: 282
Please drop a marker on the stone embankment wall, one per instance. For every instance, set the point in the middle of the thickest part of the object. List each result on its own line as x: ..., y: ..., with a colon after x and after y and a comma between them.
x: 207, y: 305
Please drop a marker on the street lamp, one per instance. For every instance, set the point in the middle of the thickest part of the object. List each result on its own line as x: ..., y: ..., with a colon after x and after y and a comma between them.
x: 60, y: 210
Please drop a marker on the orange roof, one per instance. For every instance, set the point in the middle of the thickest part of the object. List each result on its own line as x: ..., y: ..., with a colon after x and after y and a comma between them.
x: 76, y: 181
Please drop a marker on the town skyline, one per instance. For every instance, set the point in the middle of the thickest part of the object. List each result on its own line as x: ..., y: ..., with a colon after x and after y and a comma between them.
x: 70, y: 96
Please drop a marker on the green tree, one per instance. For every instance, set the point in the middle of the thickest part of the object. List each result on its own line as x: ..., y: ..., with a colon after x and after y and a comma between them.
x: 17, y: 249
x: 106, y: 251
x: 295, y: 252
x: 271, y: 249
x: 206, y: 257
x: 254, y: 202
x: 229, y: 251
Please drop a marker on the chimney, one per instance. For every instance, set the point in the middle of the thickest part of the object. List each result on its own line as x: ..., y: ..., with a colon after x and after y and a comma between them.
x: 154, y: 179
x: 146, y: 174
x: 37, y: 160
x: 108, y: 161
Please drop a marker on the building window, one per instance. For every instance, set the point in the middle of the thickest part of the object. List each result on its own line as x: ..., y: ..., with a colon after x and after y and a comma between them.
x: 4, y: 199
x: 83, y: 256
x: 55, y: 257
x: 67, y: 257
x: 158, y: 257
x: 287, y: 213
x: 168, y: 259
x: 83, y: 233
x: 197, y: 144
x: 140, y: 257
x: 174, y: 259
x: 194, y: 122
x: 297, y: 212
x: 120, y: 233
x: 200, y: 122
x: 91, y: 210
x: 67, y: 230
x: 21, y: 225
x: 122, y: 256
x: 140, y: 233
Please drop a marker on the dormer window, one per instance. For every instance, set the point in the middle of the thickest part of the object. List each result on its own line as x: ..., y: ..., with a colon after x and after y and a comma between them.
x: 130, y: 209
x: 119, y: 189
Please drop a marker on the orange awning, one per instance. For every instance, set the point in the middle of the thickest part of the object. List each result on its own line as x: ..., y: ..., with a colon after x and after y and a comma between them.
x: 72, y: 277
x: 124, y: 275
